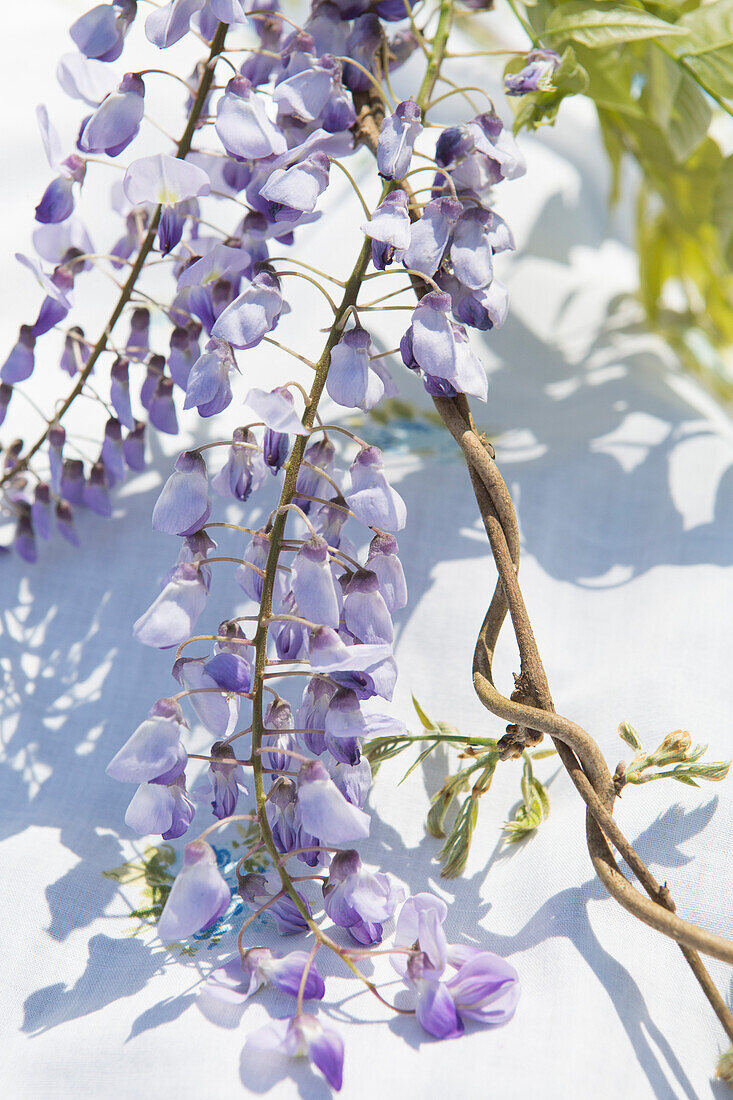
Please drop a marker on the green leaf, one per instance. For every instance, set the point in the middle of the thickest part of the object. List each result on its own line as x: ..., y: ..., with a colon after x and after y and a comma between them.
x: 723, y: 202
x: 708, y: 48
x: 422, y: 715
x: 677, y: 104
x: 454, y: 853
x: 380, y: 749
x: 422, y: 756
x: 599, y: 25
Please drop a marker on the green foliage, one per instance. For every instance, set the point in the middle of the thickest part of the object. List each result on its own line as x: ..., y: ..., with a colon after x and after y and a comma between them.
x: 534, y: 808
x: 658, y: 72
x: 675, y: 758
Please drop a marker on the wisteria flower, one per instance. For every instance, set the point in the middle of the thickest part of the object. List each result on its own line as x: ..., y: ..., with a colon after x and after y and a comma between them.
x: 303, y: 1036
x: 241, y: 978
x: 116, y: 120
x: 155, y: 748
x: 397, y: 138
x: 324, y: 812
x: 198, y: 896
x: 183, y: 505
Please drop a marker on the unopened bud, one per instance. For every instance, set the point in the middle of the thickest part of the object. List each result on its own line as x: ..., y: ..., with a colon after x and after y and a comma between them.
x: 725, y: 1067
x: 628, y: 734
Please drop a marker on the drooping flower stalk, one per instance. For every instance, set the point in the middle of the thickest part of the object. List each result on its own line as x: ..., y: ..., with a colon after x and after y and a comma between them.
x: 182, y: 150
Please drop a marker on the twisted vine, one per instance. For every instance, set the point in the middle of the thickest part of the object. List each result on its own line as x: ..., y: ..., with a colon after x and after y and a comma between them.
x: 530, y: 711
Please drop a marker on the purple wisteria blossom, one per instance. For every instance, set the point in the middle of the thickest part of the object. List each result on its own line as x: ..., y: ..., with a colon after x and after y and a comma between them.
x: 372, y: 498
x: 389, y: 230
x: 303, y: 1036
x: 100, y: 32
x: 324, y: 811
x: 397, y: 138
x: 116, y: 121
x: 253, y: 314
x: 243, y: 125
x: 183, y: 505
x: 198, y: 896
x: 241, y: 978
x: 536, y: 75
x: 357, y: 899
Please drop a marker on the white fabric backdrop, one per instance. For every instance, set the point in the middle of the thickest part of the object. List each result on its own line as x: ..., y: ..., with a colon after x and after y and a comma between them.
x: 622, y: 471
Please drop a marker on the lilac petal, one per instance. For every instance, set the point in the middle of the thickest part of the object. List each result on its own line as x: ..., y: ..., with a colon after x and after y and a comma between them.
x: 85, y: 78
x: 421, y: 914
x: 198, y: 896
x: 365, y: 612
x: 243, y: 125
x: 324, y: 812
x: 183, y: 505
x: 57, y: 202
x: 390, y: 225
x: 350, y: 381
x: 287, y: 973
x: 230, y: 671
x: 119, y: 393
x: 164, y: 180
x: 328, y: 653
x: 430, y: 234
x: 326, y: 1051
x: 436, y: 1012
x: 229, y: 983
x: 298, y: 189
x: 170, y: 22
x: 372, y: 499
x: 171, y: 617
x: 276, y: 409
x: 252, y: 315
x: 353, y: 780
x: 208, y: 385
x: 471, y: 252
x: 117, y: 120
x: 20, y: 362
x: 485, y: 988
x: 397, y: 138
x: 151, y: 809
x: 214, y: 710
x: 383, y: 561
x: 313, y: 584
x: 153, y: 749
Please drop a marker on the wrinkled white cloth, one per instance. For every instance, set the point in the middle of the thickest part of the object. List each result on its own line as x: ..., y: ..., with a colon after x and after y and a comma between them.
x: 622, y: 471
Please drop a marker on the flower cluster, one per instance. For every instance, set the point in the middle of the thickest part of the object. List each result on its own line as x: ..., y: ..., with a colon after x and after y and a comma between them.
x: 273, y: 133
x: 321, y: 597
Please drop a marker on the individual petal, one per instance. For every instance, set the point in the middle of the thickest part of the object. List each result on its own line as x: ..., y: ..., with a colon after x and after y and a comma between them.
x: 183, y: 505
x: 296, y: 190
x: 215, y: 710
x: 324, y: 812
x: 350, y: 381
x: 397, y: 138
x: 313, y: 583
x: 198, y: 896
x: 253, y: 314
x: 328, y: 653
x: 372, y: 499
x: 389, y: 229
x: 117, y: 120
x: 164, y: 180
x: 243, y: 125
x: 430, y: 234
x: 436, y: 1012
x: 485, y: 988
x: 85, y: 78
x: 470, y: 250
x: 20, y: 362
x: 171, y: 617
x: 154, y: 748
x: 170, y: 22
x: 208, y: 387
x: 57, y: 202
x: 276, y: 409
